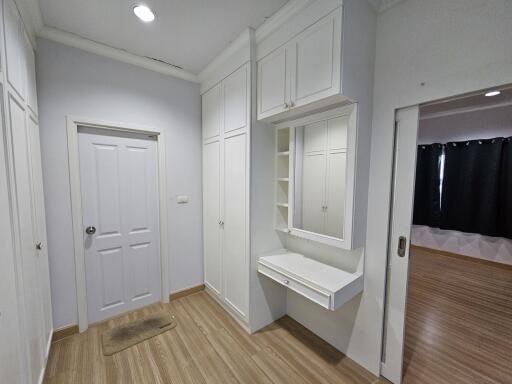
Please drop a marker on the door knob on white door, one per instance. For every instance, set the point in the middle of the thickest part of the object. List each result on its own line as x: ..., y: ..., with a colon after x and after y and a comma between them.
x: 39, y: 246
x: 90, y: 230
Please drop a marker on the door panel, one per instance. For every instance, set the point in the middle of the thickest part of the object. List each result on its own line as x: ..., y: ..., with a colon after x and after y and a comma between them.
x: 212, y: 112
x: 120, y: 198
x: 337, y: 133
x: 314, y: 75
x: 335, y: 194
x: 401, y: 223
x: 235, y: 100
x: 40, y: 228
x: 313, y: 176
x: 29, y: 263
x: 211, y: 216
x: 10, y: 321
x: 272, y: 83
x: 14, y: 46
x: 315, y: 137
x: 235, y: 263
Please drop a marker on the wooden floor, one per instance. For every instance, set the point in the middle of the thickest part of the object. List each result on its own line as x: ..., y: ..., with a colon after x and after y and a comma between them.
x: 458, y: 322
x: 207, y: 346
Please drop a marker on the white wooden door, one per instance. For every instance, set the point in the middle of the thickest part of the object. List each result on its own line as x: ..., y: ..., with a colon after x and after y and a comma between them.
x: 32, y: 299
x: 212, y: 112
x: 314, y: 59
x: 235, y: 260
x: 236, y: 99
x: 211, y: 216
x: 401, y: 223
x: 118, y: 176
x: 273, y: 95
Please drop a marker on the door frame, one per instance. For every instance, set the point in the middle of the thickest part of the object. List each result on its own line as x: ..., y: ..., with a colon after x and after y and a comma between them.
x: 72, y: 124
x: 398, y: 106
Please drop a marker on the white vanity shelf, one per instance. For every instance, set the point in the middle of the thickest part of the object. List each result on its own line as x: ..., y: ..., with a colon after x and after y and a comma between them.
x: 323, y: 284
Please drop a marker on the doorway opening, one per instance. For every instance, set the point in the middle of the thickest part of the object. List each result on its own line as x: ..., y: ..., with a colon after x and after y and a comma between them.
x: 449, y: 293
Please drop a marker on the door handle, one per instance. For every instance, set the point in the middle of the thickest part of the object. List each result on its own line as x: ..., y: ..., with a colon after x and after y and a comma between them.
x: 39, y: 246
x: 90, y: 230
x: 402, y: 244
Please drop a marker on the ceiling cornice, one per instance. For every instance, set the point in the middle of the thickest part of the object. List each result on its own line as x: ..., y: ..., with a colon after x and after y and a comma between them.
x: 33, y: 20
x: 387, y: 4
x: 84, y: 44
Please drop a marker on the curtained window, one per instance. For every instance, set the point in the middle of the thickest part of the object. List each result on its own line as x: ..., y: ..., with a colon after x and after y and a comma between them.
x: 428, y: 183
x: 476, y: 187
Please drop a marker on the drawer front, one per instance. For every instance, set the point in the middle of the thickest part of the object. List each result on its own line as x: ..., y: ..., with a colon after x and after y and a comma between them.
x: 312, y: 294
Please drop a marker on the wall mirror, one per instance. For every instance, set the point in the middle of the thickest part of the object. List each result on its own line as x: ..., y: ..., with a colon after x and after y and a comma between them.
x: 320, y: 176
x: 321, y: 173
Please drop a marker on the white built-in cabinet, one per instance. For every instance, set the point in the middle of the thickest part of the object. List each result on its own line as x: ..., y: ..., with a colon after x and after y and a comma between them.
x: 25, y: 304
x: 226, y: 133
x: 304, y: 70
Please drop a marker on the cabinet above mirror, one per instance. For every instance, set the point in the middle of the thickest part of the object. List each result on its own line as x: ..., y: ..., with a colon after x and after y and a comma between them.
x: 315, y: 176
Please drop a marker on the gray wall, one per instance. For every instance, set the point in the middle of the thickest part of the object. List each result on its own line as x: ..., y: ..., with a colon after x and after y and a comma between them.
x: 73, y: 82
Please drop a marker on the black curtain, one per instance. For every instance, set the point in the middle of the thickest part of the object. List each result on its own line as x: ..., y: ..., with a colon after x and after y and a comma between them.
x: 477, y: 187
x: 505, y: 192
x: 426, y: 190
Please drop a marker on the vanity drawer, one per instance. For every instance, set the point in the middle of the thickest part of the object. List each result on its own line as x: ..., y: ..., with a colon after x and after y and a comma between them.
x: 313, y: 294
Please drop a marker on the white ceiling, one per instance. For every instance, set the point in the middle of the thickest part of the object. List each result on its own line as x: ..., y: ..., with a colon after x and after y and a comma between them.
x: 186, y: 33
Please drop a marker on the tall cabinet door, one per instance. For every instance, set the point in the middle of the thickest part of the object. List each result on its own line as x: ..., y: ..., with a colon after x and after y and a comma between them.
x: 40, y: 228
x: 212, y: 112
x: 10, y: 347
x: 27, y: 251
x: 211, y: 216
x: 235, y: 261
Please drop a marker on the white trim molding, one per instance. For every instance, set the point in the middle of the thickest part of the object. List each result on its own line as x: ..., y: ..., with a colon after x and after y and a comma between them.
x: 72, y: 124
x: 84, y: 44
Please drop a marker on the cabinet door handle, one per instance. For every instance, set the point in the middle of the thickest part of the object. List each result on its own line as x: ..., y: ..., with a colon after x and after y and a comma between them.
x: 292, y: 104
x: 39, y: 246
x: 286, y: 106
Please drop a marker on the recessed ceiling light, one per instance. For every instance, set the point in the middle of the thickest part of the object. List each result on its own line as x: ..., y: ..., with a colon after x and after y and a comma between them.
x: 144, y: 13
x: 492, y: 93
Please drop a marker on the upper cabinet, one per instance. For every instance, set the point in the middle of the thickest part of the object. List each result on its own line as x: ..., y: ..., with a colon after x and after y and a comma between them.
x: 212, y: 112
x: 15, y: 49
x: 315, y: 59
x: 303, y: 71
x: 21, y: 75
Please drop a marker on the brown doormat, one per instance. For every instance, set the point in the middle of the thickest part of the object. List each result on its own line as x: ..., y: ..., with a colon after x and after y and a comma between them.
x: 126, y: 335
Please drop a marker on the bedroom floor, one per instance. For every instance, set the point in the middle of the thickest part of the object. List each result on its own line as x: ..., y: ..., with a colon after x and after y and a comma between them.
x: 459, y: 321
x: 207, y: 346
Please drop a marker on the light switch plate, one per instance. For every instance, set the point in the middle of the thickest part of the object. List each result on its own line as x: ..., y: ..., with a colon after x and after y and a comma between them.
x: 182, y: 199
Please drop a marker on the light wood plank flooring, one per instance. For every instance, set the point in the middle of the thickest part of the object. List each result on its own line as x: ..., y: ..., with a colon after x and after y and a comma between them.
x: 207, y: 346
x: 458, y: 322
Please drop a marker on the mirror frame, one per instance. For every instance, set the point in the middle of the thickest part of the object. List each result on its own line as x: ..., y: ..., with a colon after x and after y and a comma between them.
x: 350, y: 111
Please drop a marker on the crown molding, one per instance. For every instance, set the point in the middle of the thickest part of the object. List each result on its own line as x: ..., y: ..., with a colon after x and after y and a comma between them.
x: 84, y: 44
x: 387, y: 4
x: 285, y: 13
x: 233, y: 56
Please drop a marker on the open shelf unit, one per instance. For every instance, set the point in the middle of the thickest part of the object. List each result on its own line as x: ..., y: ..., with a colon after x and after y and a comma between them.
x: 282, y: 191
